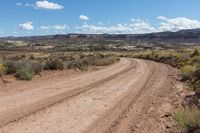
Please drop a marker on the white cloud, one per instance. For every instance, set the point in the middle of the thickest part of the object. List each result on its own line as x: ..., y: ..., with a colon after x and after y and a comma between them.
x: 48, y: 5
x: 135, y: 27
x: 60, y: 27
x: 26, y: 26
x: 19, y: 4
x: 29, y: 5
x: 179, y: 23
x: 161, y: 18
x: 42, y: 4
x: 43, y: 27
x: 56, y: 28
x: 25, y: 4
x: 84, y: 18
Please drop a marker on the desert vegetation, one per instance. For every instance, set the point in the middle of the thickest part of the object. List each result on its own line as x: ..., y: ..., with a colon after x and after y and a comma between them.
x: 188, y: 119
x: 25, y: 66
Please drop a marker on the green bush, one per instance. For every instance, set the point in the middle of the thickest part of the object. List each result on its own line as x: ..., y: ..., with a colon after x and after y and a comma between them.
x: 25, y: 70
x: 189, y: 120
x: 187, y: 72
x: 25, y: 73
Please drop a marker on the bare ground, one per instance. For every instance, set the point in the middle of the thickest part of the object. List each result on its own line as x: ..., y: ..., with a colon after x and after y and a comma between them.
x: 131, y: 96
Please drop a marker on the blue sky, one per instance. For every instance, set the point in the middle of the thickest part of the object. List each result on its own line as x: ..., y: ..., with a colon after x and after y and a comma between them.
x: 43, y: 17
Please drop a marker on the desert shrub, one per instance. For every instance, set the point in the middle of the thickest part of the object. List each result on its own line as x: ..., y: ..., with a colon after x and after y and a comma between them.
x: 25, y: 73
x: 25, y: 70
x: 196, y: 53
x: 78, y: 64
x: 106, y: 61
x: 54, y: 65
x: 37, y: 67
x: 184, y: 56
x: 189, y: 120
x: 181, y: 64
x: 187, y: 72
x: 11, y: 67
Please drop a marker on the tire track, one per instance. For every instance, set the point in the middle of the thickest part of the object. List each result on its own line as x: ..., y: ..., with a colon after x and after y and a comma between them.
x: 123, y: 115
x: 111, y: 119
x: 133, y: 109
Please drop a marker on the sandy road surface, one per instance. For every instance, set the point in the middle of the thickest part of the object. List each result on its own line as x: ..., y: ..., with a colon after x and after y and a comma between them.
x: 109, y: 100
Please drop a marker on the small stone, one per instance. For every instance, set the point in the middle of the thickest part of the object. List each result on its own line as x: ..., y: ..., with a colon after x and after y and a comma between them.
x: 165, y: 110
x: 137, y: 125
x: 168, y: 125
x: 151, y: 109
x: 180, y: 88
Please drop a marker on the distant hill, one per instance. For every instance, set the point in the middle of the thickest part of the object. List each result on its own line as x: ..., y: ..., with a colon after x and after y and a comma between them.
x: 191, y: 36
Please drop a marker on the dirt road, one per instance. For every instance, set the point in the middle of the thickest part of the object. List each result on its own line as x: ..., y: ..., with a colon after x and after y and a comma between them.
x: 125, y: 97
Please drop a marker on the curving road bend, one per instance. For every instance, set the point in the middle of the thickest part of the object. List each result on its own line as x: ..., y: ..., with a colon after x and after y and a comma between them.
x: 108, y: 100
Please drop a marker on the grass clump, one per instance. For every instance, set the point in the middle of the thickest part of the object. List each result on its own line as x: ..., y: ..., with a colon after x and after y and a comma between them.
x: 25, y: 71
x: 188, y: 120
x: 187, y: 72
